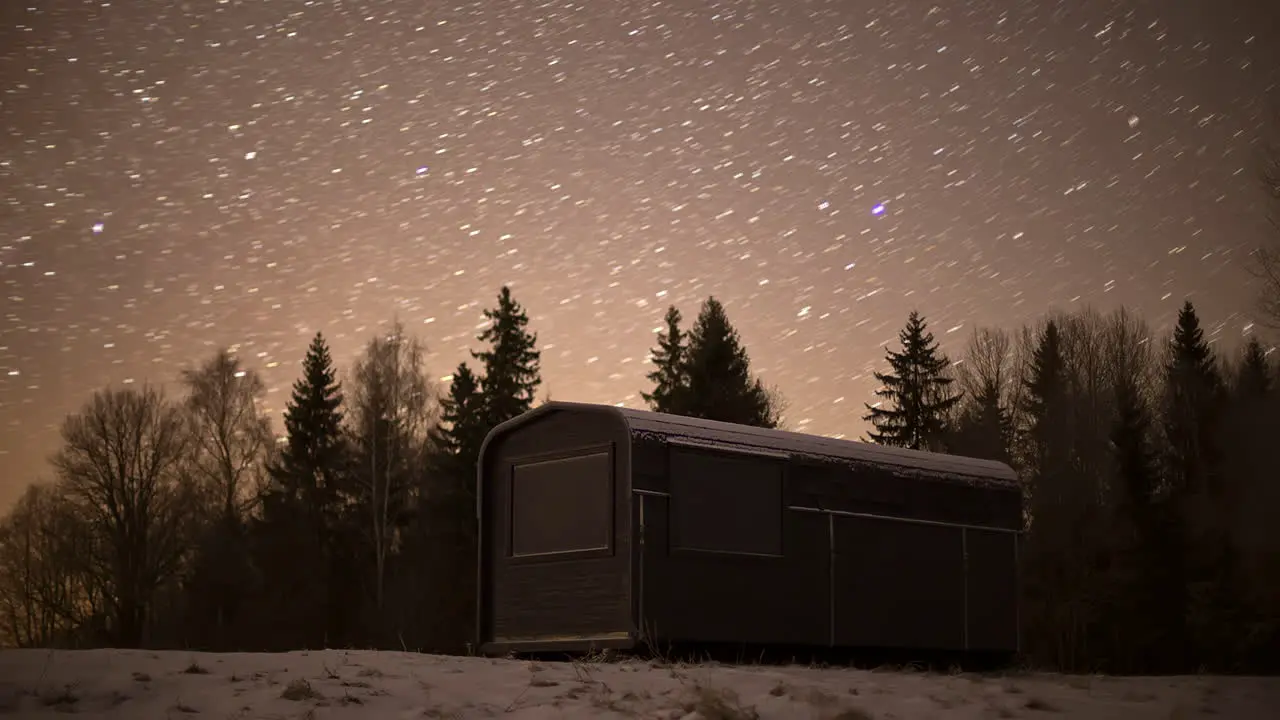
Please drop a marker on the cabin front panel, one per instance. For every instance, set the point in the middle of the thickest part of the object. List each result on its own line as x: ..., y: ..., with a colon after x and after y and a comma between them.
x: 557, y: 531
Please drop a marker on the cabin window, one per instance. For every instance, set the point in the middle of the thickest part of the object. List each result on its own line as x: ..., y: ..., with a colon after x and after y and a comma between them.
x: 723, y: 502
x: 562, y: 505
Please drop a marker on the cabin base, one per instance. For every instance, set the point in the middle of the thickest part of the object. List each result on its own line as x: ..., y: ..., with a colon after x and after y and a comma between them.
x: 560, y: 643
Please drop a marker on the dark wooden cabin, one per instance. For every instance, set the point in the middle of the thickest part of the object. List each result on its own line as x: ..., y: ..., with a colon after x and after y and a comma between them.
x: 608, y: 527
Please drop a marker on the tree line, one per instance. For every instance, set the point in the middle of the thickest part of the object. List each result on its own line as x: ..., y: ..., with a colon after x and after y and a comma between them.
x: 1149, y: 542
x: 186, y: 522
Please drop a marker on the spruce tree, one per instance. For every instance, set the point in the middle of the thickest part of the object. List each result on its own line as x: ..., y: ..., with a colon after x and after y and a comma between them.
x: 456, y: 439
x: 1137, y: 466
x: 1201, y: 523
x: 1193, y: 388
x: 669, y: 377
x: 1248, y: 435
x: 313, y: 451
x: 296, y: 542
x: 446, y: 532
x: 984, y: 430
x: 511, y: 363
x: 1253, y: 376
x: 918, y: 389
x: 718, y: 371
x: 1140, y: 579
x: 1045, y: 403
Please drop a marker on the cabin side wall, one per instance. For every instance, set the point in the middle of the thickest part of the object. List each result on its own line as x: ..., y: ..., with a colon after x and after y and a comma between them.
x: 918, y: 562
x: 554, y: 522
x: 721, y: 558
x: 865, y: 557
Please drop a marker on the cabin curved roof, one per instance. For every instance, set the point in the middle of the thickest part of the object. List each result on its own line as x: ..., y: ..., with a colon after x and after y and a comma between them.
x: 728, y: 436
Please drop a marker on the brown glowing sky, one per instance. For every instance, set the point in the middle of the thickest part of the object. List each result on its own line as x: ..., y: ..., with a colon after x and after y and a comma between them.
x: 179, y: 176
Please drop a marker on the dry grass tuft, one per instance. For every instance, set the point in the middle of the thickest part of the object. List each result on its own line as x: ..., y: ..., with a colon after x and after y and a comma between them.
x: 852, y: 714
x: 300, y: 690
x: 63, y: 699
x: 718, y: 704
x: 1041, y: 704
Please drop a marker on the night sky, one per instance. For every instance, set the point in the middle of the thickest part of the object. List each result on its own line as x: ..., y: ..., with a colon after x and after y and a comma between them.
x: 176, y: 176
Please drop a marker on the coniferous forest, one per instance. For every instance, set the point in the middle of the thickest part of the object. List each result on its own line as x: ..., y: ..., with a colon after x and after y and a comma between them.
x: 184, y: 520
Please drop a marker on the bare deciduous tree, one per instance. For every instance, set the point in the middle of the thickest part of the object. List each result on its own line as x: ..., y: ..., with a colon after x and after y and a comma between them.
x: 44, y: 595
x: 393, y: 406
x: 121, y: 466
x: 232, y: 435
x: 987, y: 364
x: 1266, y: 266
x: 1129, y: 353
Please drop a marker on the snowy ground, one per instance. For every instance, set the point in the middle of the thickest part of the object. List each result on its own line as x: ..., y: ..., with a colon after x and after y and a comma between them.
x: 359, y: 685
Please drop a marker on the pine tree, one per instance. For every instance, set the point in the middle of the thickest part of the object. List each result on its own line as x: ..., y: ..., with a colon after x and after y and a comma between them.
x: 669, y: 377
x: 511, y: 364
x: 919, y: 390
x: 1045, y: 402
x: 313, y: 429
x: 985, y: 428
x: 295, y: 538
x: 1137, y: 466
x: 1193, y: 396
x: 1139, y: 577
x: 456, y: 439
x: 1248, y: 435
x: 1253, y: 376
x: 718, y: 371
x: 1193, y: 388
x: 445, y: 540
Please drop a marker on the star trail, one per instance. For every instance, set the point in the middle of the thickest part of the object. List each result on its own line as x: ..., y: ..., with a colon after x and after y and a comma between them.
x: 178, y: 176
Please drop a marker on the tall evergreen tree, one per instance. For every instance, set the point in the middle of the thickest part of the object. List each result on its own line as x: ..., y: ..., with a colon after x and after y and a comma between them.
x: 918, y: 389
x: 1193, y: 388
x: 1139, y: 578
x: 1248, y: 436
x: 984, y: 428
x: 669, y: 375
x: 312, y: 453
x: 456, y: 439
x: 295, y: 540
x: 1137, y: 465
x: 1192, y: 413
x: 1046, y: 402
x: 1253, y: 375
x: 718, y: 371
x: 511, y: 363
x: 444, y: 544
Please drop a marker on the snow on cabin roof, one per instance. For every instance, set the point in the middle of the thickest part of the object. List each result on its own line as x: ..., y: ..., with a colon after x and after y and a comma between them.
x: 717, y: 433
x: 711, y: 433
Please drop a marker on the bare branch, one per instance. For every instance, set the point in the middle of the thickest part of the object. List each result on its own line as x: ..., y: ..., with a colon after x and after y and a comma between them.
x: 393, y: 406
x: 232, y: 436
x: 121, y: 467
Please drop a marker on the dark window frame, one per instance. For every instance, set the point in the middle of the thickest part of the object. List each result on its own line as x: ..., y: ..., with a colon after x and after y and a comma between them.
x: 778, y: 460
x: 514, y: 558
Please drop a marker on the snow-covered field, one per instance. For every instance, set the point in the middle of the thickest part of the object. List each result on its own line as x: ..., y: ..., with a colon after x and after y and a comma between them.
x: 356, y: 685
